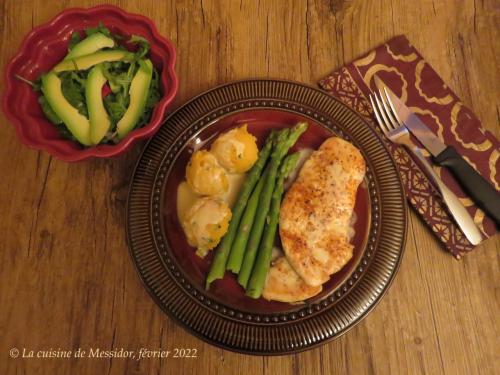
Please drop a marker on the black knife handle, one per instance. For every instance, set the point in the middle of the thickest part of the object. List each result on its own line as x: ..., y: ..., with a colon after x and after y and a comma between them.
x: 481, y: 191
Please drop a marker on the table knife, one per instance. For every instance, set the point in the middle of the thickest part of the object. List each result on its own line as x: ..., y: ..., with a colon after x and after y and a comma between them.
x: 479, y: 189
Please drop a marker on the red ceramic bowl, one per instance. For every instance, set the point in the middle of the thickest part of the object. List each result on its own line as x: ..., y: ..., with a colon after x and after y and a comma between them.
x: 46, y: 45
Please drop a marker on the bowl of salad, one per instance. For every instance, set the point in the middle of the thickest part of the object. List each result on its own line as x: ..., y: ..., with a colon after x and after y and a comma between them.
x: 89, y: 83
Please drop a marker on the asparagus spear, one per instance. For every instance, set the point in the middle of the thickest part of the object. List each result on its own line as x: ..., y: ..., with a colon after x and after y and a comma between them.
x: 240, y: 242
x: 222, y: 252
x: 262, y: 263
x: 286, y: 139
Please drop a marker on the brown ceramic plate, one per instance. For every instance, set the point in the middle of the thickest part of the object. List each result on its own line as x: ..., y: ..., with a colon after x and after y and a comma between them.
x: 224, y: 316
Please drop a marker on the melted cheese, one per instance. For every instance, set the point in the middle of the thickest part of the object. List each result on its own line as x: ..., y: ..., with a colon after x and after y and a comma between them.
x: 186, y: 197
x: 235, y: 182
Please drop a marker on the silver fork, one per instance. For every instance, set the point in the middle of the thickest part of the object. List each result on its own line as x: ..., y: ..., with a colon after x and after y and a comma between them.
x: 396, y: 131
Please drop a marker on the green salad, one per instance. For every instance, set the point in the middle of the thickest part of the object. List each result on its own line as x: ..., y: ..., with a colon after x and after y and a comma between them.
x: 100, y: 91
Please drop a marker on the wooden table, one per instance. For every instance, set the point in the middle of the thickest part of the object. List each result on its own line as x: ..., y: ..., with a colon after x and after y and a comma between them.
x: 66, y: 277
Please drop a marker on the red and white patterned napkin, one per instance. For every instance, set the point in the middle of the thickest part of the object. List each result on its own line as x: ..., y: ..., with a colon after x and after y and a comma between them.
x: 408, y: 75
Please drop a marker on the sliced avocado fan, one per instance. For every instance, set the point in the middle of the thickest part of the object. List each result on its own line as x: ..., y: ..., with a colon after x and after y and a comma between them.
x: 76, y: 123
x: 98, y: 117
x: 87, y: 61
x: 139, y: 89
x: 90, y: 44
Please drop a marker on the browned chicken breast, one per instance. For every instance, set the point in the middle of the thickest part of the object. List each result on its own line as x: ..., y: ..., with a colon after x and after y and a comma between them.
x: 285, y: 285
x: 316, y: 211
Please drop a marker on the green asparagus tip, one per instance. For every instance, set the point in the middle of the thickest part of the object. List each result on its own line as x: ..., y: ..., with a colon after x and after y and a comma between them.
x: 281, y: 136
x: 289, y: 163
x: 301, y: 126
x: 271, y: 138
x: 295, y: 133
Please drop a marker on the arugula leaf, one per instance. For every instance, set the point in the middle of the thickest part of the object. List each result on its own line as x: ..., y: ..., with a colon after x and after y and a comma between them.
x: 144, y: 46
x: 64, y: 132
x: 37, y: 84
x: 138, y: 39
x: 119, y: 75
x: 99, y: 29
x: 54, y: 118
x: 75, y: 39
x: 48, y: 111
x: 116, y: 105
x: 73, y: 88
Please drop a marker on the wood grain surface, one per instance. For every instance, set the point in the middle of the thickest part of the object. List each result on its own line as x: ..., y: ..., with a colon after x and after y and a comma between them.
x: 66, y: 280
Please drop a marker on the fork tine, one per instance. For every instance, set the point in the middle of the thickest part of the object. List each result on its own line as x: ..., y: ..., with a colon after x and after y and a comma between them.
x: 389, y: 111
x: 377, y: 115
x: 387, y: 121
x: 391, y: 104
x: 382, y: 117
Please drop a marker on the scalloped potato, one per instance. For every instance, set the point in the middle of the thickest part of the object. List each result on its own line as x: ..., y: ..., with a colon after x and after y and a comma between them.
x: 205, y: 223
x: 236, y: 150
x: 204, y: 174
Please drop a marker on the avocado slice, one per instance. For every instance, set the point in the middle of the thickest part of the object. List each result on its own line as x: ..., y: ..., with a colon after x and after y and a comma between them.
x: 76, y: 123
x: 90, y: 44
x: 98, y: 117
x: 87, y: 61
x: 139, y: 89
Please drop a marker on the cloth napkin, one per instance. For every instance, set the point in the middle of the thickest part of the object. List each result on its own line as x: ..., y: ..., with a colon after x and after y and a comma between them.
x: 401, y: 67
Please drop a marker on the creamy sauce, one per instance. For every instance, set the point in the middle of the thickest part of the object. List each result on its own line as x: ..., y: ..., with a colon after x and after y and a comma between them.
x: 185, y: 200
x: 276, y: 253
x: 186, y: 197
x: 235, y: 181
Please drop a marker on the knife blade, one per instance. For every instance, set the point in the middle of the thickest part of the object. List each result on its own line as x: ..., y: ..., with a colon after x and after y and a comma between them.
x: 432, y: 143
x: 478, y: 188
